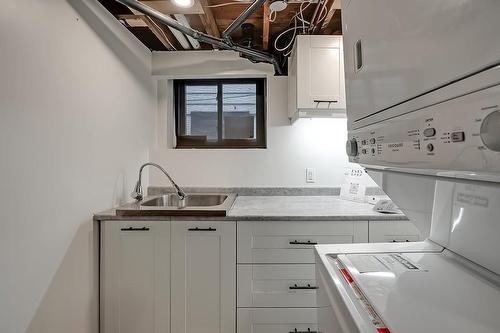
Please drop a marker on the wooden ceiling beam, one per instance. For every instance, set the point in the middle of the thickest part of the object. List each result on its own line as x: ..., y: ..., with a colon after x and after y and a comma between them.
x: 160, y: 33
x: 265, y: 26
x: 210, y: 19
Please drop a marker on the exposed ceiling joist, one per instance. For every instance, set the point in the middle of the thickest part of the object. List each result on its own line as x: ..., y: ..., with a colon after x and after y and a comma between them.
x: 265, y: 26
x: 210, y: 19
x: 159, y: 32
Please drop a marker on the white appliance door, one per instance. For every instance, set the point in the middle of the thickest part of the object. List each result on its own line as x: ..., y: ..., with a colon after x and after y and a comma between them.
x: 396, y: 50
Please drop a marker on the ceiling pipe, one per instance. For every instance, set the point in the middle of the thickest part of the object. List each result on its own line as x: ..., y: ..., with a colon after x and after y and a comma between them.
x: 242, y: 17
x: 252, y: 54
x: 183, y: 20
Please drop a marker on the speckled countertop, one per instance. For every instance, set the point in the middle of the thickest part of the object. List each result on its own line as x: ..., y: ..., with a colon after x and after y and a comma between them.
x: 272, y: 208
x: 304, y: 207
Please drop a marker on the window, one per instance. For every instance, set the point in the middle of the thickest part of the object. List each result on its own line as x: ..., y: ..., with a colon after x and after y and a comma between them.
x: 223, y: 113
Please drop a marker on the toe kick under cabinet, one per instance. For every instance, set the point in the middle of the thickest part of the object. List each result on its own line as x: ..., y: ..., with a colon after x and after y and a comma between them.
x: 276, y: 271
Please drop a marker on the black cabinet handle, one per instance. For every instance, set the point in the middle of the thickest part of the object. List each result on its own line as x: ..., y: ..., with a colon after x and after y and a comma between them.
x: 135, y: 229
x: 296, y: 242
x: 308, y: 331
x: 325, y: 101
x: 296, y: 287
x: 202, y: 229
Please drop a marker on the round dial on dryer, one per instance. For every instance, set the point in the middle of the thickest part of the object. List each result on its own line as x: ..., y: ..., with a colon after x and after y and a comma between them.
x: 490, y: 131
x: 351, y: 147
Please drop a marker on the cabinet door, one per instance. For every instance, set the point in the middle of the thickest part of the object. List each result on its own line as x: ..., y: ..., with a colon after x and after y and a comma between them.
x: 203, y: 276
x: 135, y: 277
x: 393, y: 231
x: 283, y: 285
x: 276, y: 320
x: 320, y: 72
x: 292, y: 242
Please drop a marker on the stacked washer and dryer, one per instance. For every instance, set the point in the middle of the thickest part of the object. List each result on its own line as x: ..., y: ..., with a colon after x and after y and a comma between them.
x: 423, y: 108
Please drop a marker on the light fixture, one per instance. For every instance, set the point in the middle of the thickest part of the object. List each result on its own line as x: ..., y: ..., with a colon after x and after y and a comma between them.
x: 183, y: 3
x: 278, y: 5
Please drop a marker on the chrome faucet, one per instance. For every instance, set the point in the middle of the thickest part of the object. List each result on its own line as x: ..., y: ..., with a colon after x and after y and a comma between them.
x: 137, y: 194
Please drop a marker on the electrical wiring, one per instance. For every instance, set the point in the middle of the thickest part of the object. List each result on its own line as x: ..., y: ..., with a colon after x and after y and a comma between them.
x: 164, y: 35
x: 324, y: 11
x: 272, y: 16
x: 297, y: 19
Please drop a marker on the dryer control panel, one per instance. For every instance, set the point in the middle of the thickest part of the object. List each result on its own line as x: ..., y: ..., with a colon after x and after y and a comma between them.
x: 461, y: 134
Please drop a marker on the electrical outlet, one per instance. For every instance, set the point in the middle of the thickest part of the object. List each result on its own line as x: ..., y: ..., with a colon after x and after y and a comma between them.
x: 310, y: 175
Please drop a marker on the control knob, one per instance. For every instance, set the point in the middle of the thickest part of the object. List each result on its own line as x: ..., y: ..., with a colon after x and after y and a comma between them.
x: 490, y: 131
x: 351, y: 147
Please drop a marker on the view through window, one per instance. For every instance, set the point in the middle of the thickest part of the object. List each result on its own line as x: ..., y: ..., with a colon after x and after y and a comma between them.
x: 225, y: 113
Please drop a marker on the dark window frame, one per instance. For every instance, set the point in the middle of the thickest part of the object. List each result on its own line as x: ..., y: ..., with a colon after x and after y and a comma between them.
x: 191, y: 142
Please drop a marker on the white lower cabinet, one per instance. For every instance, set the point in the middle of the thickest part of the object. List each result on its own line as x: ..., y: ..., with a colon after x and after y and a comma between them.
x: 277, y: 285
x: 214, y: 276
x: 276, y: 272
x: 203, y: 276
x: 277, y: 320
x: 293, y: 241
x: 135, y: 277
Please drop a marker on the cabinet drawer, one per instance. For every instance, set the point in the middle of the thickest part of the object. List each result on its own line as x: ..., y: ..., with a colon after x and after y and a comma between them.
x: 293, y: 241
x: 276, y: 320
x: 393, y: 231
x: 276, y: 285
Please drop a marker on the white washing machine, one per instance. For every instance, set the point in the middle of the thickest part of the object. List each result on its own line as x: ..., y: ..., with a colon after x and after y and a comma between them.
x: 432, y: 137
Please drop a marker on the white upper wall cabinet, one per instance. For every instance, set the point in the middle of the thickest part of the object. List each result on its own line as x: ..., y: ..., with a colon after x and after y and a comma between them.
x: 316, y: 77
x: 390, y: 59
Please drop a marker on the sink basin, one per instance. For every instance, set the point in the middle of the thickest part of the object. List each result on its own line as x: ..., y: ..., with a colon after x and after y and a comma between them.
x: 191, y: 200
x: 200, y: 204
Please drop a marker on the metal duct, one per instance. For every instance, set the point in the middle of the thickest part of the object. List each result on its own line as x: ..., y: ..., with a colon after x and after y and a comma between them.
x: 242, y: 17
x: 251, y: 54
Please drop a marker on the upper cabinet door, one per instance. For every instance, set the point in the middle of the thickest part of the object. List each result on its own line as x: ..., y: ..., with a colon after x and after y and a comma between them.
x: 317, y: 73
x: 135, y: 277
x: 326, y: 73
x: 396, y: 50
x: 203, y: 276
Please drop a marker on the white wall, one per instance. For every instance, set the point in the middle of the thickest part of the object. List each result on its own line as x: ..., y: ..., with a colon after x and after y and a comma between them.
x: 315, y: 143
x: 76, y: 119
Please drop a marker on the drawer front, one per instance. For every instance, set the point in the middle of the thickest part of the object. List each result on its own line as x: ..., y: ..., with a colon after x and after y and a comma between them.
x: 293, y: 241
x: 276, y: 320
x: 393, y: 231
x: 276, y: 285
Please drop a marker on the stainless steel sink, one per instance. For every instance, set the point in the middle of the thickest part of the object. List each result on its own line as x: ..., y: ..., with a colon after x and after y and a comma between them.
x: 200, y: 204
x: 191, y: 200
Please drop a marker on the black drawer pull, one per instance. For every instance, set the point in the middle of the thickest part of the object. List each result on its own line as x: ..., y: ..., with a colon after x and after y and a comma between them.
x: 135, y: 229
x: 202, y: 229
x: 296, y: 287
x: 296, y: 242
x: 308, y: 331
x: 325, y: 101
